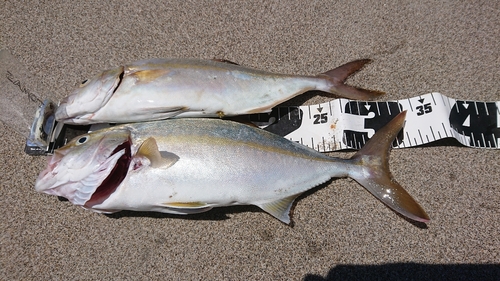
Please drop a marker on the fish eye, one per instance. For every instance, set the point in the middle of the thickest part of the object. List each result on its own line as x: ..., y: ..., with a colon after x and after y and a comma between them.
x: 82, y: 140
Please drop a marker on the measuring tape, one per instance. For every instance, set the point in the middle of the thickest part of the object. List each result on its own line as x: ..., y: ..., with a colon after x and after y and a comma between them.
x: 347, y: 124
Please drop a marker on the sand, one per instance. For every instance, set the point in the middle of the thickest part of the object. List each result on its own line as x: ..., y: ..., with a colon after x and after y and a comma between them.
x: 339, y: 231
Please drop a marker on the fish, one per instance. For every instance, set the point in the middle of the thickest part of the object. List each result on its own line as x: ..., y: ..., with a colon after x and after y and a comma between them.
x: 191, y: 165
x: 156, y: 89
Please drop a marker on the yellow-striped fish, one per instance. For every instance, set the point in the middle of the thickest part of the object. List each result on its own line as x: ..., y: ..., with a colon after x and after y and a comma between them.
x: 186, y: 166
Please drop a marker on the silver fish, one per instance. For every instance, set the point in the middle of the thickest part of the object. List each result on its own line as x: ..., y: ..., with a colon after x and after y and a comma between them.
x: 158, y: 89
x: 186, y: 166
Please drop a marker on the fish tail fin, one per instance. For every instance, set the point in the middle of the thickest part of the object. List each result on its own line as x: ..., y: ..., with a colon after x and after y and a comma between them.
x: 373, y: 172
x: 338, y: 75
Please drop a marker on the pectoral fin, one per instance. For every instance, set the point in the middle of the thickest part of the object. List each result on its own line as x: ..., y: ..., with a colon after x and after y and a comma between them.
x: 185, y: 208
x: 158, y: 159
x: 280, y: 209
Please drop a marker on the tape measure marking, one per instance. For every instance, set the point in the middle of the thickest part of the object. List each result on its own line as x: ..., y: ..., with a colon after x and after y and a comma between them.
x: 347, y: 124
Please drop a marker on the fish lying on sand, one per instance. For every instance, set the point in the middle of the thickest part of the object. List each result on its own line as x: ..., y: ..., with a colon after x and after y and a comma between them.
x: 187, y: 166
x: 158, y: 89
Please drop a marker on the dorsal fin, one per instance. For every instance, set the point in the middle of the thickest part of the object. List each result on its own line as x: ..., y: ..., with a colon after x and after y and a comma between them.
x: 158, y: 159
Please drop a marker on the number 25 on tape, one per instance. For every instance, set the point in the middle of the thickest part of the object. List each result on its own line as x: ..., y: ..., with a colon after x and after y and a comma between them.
x: 320, y: 118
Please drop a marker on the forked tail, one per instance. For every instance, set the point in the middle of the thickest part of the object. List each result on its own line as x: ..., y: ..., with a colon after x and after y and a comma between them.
x: 375, y: 176
x: 338, y: 75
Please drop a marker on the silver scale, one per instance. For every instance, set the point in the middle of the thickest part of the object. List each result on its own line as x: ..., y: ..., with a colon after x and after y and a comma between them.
x: 330, y: 126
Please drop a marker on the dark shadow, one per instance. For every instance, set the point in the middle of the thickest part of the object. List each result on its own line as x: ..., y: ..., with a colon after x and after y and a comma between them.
x: 410, y: 271
x: 303, y: 98
x: 216, y: 214
x: 443, y: 142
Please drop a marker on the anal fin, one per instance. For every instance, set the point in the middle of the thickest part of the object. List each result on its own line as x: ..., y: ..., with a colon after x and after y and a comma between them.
x: 280, y: 209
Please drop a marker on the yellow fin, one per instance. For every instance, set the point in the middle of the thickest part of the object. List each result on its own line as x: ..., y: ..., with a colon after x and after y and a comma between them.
x: 280, y: 209
x: 187, y: 205
x: 158, y: 159
x: 186, y: 208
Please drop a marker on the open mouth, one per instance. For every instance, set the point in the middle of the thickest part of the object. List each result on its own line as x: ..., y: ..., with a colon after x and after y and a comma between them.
x: 115, y: 178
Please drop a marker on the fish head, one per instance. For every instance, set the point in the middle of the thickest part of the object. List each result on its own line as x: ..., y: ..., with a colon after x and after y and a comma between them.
x: 90, y: 96
x: 89, y: 168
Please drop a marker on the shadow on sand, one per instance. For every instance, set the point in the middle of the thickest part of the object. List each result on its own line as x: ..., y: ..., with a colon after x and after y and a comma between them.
x: 410, y: 271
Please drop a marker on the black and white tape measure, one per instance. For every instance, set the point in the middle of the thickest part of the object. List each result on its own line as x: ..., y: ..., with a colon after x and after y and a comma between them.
x: 347, y: 124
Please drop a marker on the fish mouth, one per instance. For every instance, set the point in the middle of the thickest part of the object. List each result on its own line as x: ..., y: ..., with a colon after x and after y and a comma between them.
x: 61, y: 111
x: 109, y: 185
